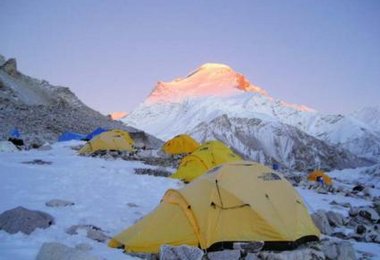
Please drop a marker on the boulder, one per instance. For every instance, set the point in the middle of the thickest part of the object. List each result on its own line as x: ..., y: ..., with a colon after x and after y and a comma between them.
x: 92, y: 232
x: 300, y: 254
x: 180, y: 252
x: 322, y: 223
x: 358, y: 188
x: 57, y: 203
x: 224, y: 255
x: 335, y: 219
x: 24, y: 220
x: 369, y: 213
x: 353, y: 212
x: 251, y: 256
x: 376, y: 205
x: 367, y: 191
x: 360, y: 229
x: 57, y: 251
x: 339, y: 250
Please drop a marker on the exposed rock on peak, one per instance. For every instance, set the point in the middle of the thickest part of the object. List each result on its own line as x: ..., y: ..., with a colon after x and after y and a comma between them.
x: 10, y: 67
x: 2, y: 60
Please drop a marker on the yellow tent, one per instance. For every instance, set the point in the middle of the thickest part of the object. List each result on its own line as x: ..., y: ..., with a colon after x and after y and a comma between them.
x: 314, y: 175
x: 180, y: 144
x: 241, y: 201
x: 111, y: 140
x: 207, y: 156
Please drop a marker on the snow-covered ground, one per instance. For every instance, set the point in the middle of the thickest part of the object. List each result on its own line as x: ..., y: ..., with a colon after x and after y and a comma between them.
x: 102, y: 191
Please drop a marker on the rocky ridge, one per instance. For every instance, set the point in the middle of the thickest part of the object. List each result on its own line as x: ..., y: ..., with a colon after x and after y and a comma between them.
x: 42, y: 111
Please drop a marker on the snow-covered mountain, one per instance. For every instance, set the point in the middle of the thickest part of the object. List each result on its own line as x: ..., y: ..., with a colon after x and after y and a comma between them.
x: 214, y: 90
x: 42, y: 111
x: 370, y: 116
x: 274, y: 142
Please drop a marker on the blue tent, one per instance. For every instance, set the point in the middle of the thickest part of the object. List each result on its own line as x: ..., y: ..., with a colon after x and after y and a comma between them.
x: 67, y: 136
x: 94, y: 133
x: 15, y: 133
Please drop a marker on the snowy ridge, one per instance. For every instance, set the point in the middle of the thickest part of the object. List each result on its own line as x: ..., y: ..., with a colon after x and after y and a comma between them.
x: 273, y: 142
x: 369, y: 115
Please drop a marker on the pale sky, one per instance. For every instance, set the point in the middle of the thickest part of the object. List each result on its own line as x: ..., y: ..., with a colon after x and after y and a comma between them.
x: 324, y: 54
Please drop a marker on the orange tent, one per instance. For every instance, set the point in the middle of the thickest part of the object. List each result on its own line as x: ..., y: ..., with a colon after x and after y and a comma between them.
x: 314, y: 175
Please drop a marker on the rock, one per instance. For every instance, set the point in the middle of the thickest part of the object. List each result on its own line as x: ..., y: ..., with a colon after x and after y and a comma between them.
x: 339, y: 250
x: 335, y: 219
x: 59, y: 251
x: 322, y: 223
x: 353, y: 212
x: 369, y: 213
x: 180, y: 252
x: 92, y: 232
x: 132, y: 205
x: 358, y: 188
x: 252, y: 247
x: 153, y: 172
x: 224, y: 255
x: 83, y: 247
x: 38, y: 162
x: 370, y: 237
x: 10, y: 67
x: 57, y: 203
x: 2, y: 60
x: 300, y: 254
x: 45, y: 147
x: 360, y: 229
x: 340, y: 235
x: 356, y: 236
x: 251, y: 256
x: 97, y: 235
x: 24, y: 220
x: 346, y: 205
x: 376, y: 205
x: 367, y: 191
x: 343, y: 204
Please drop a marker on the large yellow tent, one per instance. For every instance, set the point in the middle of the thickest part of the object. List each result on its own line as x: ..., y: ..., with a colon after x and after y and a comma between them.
x: 207, y: 156
x: 314, y: 175
x: 241, y: 201
x: 180, y: 144
x: 111, y: 140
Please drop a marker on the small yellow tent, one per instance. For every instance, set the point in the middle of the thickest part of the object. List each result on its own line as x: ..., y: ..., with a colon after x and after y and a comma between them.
x: 314, y: 175
x: 207, y: 156
x: 111, y: 140
x: 241, y: 201
x: 180, y: 144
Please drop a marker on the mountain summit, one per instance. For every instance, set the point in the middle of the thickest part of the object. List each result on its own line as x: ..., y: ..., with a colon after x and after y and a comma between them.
x: 210, y: 79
